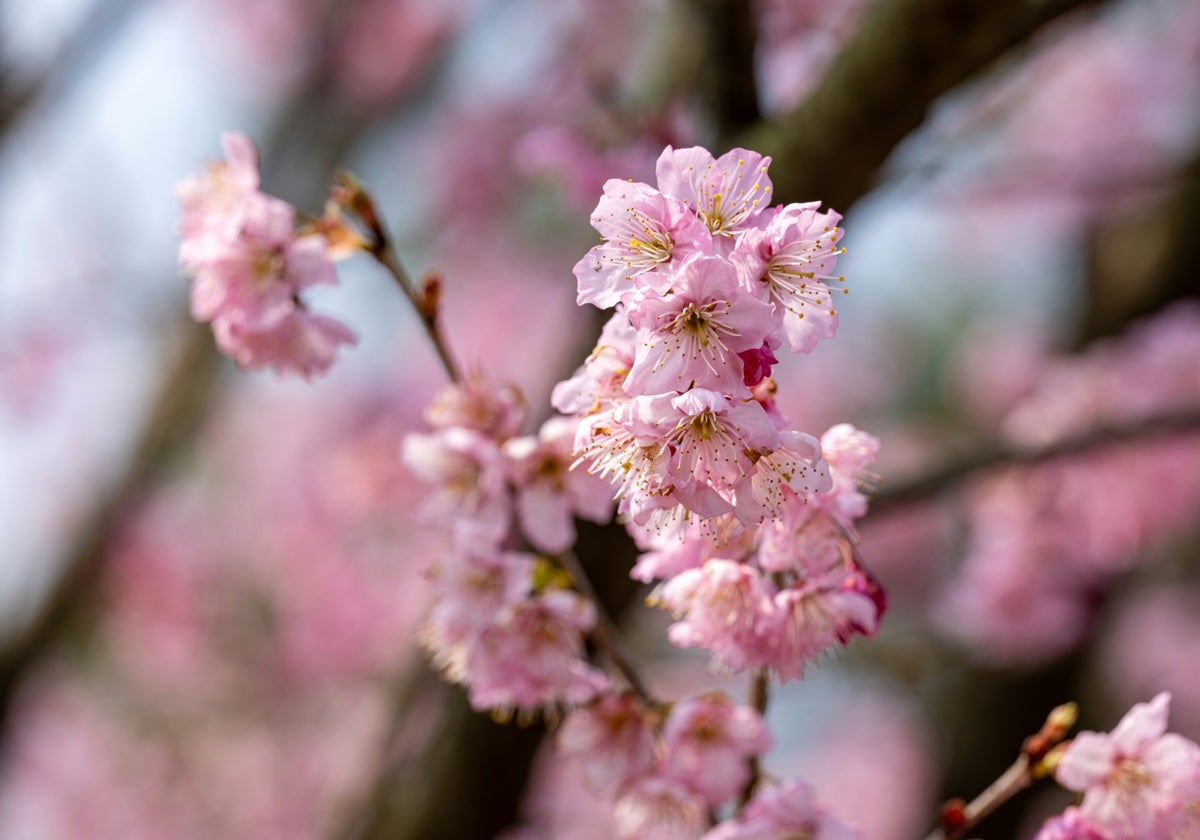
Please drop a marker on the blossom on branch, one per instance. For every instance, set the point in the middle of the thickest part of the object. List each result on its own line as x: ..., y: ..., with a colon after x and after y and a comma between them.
x: 1139, y: 782
x: 250, y: 263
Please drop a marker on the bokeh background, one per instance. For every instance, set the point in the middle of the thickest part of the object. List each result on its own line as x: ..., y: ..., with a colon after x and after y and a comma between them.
x: 211, y: 581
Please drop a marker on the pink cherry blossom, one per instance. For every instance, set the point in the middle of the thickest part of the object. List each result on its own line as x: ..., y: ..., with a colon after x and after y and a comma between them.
x: 597, y: 384
x: 639, y: 464
x: 253, y: 279
x: 474, y: 586
x: 849, y: 452
x: 692, y: 338
x: 532, y: 656
x: 789, y: 476
x: 480, y: 403
x: 214, y: 203
x: 250, y: 266
x: 812, y: 617
x: 612, y: 739
x: 714, y: 440
x: 468, y: 472
x: 301, y: 343
x: 727, y: 193
x: 786, y: 810
x: 646, y: 234
x: 797, y: 252
x: 1071, y: 824
x: 1138, y: 781
x: 660, y: 808
x: 669, y: 552
x: 708, y: 741
x: 723, y: 607
x: 548, y: 492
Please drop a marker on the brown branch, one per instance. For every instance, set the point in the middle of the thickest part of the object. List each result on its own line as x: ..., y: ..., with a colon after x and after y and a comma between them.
x: 905, y: 54
x: 728, y: 75
x: 605, y: 633
x: 1033, y: 763
x: 95, y: 32
x: 961, y: 818
x: 995, y: 456
x: 759, y: 687
x: 178, y: 411
x: 426, y: 301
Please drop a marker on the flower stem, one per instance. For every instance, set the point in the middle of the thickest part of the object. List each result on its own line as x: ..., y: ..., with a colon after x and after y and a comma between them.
x: 958, y: 819
x: 758, y: 698
x: 385, y: 255
x: 604, y: 634
x: 351, y: 194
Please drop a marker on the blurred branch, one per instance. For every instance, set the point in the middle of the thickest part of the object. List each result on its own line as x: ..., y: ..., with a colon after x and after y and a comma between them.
x: 905, y: 54
x: 96, y: 31
x: 925, y: 487
x: 728, y: 74
x: 1142, y: 259
x: 179, y: 408
x: 466, y: 757
x: 759, y: 696
x: 604, y: 635
x: 178, y: 411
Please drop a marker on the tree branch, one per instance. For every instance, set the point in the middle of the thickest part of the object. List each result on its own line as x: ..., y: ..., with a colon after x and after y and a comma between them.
x: 728, y: 74
x: 905, y: 55
x: 178, y: 411
x: 937, y: 481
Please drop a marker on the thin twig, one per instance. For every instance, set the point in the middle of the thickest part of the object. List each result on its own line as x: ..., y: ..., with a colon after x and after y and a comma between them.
x: 605, y: 634
x: 385, y: 255
x: 1036, y: 761
x: 1011, y: 782
x: 938, y: 481
x: 759, y: 696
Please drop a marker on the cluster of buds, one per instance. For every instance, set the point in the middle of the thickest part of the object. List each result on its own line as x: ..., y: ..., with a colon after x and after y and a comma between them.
x: 748, y: 522
x: 251, y: 261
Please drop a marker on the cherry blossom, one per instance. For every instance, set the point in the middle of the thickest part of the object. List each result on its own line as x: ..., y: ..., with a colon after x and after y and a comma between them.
x: 1138, y: 781
x: 786, y: 810
x: 727, y: 193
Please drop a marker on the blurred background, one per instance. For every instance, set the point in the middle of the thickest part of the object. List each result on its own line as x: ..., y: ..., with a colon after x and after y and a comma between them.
x: 211, y: 581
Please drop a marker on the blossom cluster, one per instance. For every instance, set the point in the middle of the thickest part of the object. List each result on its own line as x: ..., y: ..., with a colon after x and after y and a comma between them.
x: 1139, y: 782
x: 506, y: 623
x: 665, y: 772
x: 251, y: 262
x: 748, y: 522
